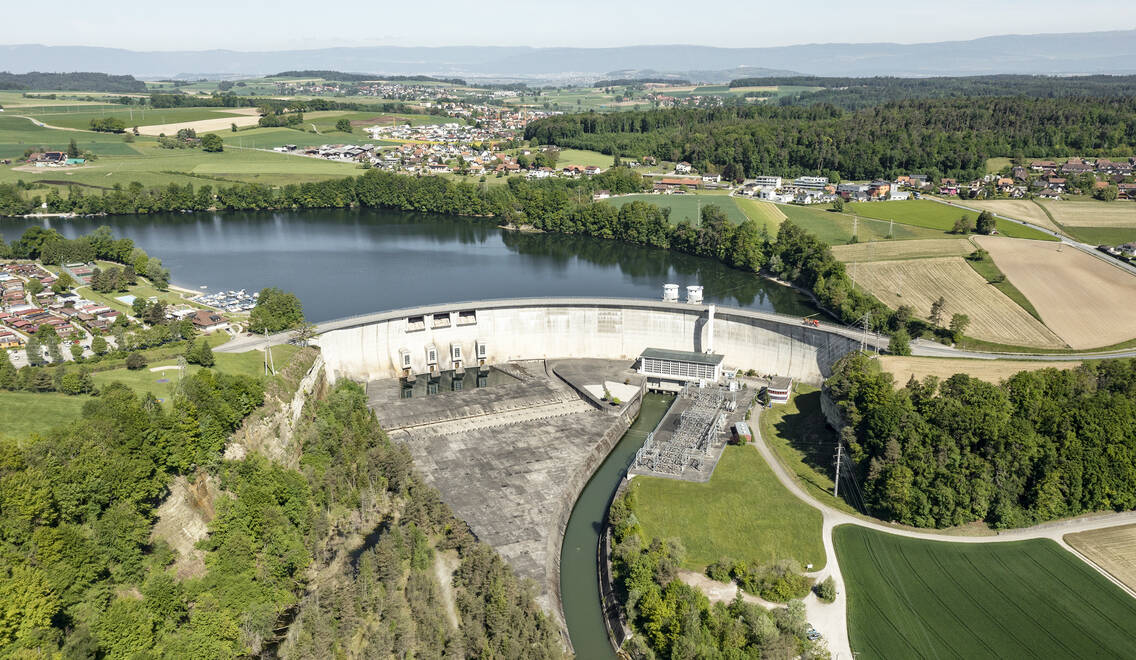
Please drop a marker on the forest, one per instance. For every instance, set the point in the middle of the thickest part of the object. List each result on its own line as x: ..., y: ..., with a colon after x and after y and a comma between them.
x: 856, y: 93
x: 1041, y: 445
x: 86, y: 81
x: 674, y: 620
x: 939, y: 137
x: 81, y: 574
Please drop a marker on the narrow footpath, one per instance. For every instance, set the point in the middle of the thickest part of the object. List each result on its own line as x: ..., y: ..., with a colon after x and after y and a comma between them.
x: 831, y: 619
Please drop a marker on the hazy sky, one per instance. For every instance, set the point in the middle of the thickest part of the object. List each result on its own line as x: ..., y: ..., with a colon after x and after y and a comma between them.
x: 290, y: 24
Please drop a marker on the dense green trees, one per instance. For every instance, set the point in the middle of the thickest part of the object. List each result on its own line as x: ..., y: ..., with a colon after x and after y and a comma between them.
x: 275, y: 311
x: 674, y: 620
x: 1042, y: 445
x: 212, y: 143
x: 108, y: 125
x: 940, y: 137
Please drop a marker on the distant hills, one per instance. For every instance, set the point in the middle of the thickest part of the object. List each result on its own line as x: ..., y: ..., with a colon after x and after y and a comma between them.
x: 1090, y: 52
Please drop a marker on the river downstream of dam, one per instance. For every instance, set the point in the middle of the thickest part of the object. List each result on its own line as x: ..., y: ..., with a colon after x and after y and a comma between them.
x: 347, y: 262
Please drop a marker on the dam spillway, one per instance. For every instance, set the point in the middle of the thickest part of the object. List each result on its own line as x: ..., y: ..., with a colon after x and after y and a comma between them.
x: 511, y: 460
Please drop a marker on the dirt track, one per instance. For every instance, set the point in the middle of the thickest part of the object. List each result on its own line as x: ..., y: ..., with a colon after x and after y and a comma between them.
x: 1087, y: 302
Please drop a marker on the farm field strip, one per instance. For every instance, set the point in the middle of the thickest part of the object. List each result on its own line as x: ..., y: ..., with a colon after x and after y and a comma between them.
x: 891, y: 250
x: 1084, y: 300
x: 916, y: 598
x: 918, y: 283
x: 1018, y: 209
x: 836, y: 228
x: 1094, y: 214
x: 1111, y: 548
x: 903, y: 368
x: 934, y: 215
x: 764, y: 213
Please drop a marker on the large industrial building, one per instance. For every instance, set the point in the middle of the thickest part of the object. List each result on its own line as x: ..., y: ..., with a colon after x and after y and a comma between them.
x: 668, y: 369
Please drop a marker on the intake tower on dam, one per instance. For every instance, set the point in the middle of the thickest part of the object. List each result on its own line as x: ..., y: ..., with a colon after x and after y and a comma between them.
x: 507, y: 405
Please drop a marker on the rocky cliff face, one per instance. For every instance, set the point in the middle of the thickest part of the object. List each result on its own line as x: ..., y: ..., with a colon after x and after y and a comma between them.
x: 269, y: 431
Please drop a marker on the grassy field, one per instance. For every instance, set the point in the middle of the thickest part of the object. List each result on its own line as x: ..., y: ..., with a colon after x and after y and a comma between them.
x: 902, y: 368
x: 910, y: 598
x: 933, y: 215
x: 989, y: 271
x: 797, y: 434
x: 995, y: 165
x: 837, y: 228
x: 1019, y: 209
x: 1084, y: 300
x: 1111, y: 548
x: 742, y: 513
x: 686, y: 207
x: 154, y: 166
x: 162, y: 383
x: 889, y: 250
x: 766, y: 214
x: 17, y: 135
x: 22, y: 413
x: 918, y: 283
x: 584, y: 158
x: 81, y: 116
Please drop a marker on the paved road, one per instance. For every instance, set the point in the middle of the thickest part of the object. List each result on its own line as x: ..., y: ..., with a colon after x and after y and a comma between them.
x: 831, y: 619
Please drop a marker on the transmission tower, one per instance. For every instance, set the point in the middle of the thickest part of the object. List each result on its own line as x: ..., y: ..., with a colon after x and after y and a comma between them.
x: 866, y: 323
x: 839, y: 460
x: 269, y: 367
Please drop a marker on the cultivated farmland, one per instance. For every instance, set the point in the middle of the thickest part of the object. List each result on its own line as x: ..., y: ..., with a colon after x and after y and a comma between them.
x: 241, y: 117
x: 836, y: 228
x: 1019, y: 209
x: 1085, y: 300
x: 890, y: 250
x: 1094, y: 214
x: 909, y: 598
x: 763, y: 213
x: 993, y: 316
x: 902, y: 368
x: 1111, y: 548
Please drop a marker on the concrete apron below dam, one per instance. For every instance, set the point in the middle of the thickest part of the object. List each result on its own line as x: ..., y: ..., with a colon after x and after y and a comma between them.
x: 511, y: 458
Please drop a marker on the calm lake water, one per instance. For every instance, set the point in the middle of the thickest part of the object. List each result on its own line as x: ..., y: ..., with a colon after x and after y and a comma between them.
x: 342, y: 263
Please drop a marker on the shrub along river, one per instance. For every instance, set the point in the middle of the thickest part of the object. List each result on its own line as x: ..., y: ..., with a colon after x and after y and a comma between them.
x: 346, y: 262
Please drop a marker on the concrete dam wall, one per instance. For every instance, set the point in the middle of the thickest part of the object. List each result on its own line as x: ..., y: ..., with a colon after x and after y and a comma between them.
x: 375, y: 346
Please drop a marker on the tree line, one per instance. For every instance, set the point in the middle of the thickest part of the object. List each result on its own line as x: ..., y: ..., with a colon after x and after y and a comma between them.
x: 1041, y: 445
x: 52, y: 248
x: 939, y: 137
x: 79, y: 80
x: 675, y: 620
x: 553, y: 205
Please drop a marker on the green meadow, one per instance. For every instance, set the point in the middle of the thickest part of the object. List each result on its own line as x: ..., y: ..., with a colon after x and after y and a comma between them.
x: 909, y: 598
x: 687, y: 207
x: 933, y: 215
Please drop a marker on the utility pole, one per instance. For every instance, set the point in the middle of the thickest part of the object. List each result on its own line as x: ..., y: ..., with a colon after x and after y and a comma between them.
x: 866, y: 323
x: 839, y: 456
x: 855, y: 227
x: 269, y: 367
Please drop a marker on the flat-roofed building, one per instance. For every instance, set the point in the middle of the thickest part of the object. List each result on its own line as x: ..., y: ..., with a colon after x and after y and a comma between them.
x: 679, y: 366
x: 779, y: 389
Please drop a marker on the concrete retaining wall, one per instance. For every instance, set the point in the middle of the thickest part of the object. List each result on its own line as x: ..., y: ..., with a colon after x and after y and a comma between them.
x: 577, y: 328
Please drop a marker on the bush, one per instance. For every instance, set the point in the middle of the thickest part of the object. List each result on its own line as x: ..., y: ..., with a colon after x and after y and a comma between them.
x: 135, y: 361
x: 900, y: 343
x: 720, y: 570
x: 826, y: 590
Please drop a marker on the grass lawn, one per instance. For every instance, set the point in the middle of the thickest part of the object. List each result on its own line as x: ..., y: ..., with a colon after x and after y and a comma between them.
x: 910, y: 598
x: 995, y: 165
x: 836, y: 228
x: 797, y: 434
x: 742, y: 513
x: 22, y: 413
x: 17, y: 135
x: 686, y: 207
x: 933, y: 215
x: 1101, y: 235
x: 584, y: 158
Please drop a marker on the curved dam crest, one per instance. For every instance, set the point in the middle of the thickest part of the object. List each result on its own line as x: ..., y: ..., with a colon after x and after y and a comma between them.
x: 512, y: 460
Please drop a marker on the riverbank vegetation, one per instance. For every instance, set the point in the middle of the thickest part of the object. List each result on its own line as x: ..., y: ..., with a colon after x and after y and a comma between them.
x: 676, y: 620
x: 939, y: 137
x: 1041, y: 445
